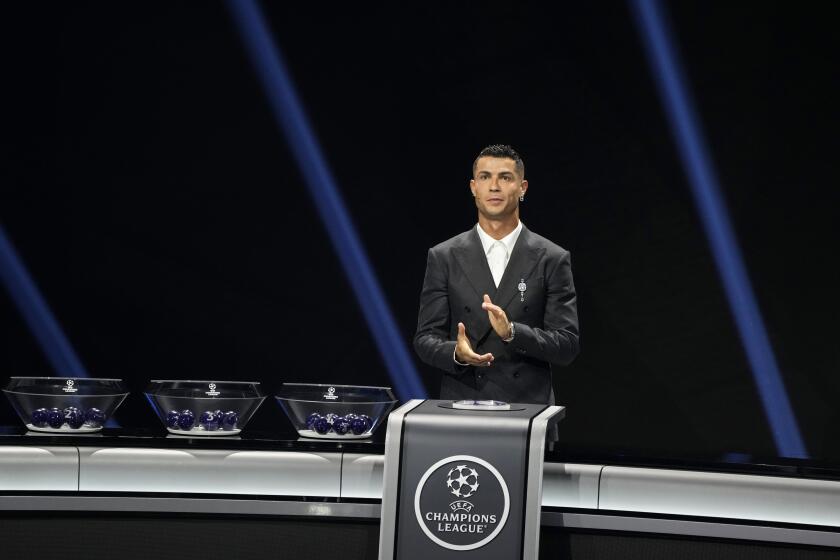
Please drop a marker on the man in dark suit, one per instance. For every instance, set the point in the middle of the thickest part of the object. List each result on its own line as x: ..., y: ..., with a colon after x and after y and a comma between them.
x: 498, y: 308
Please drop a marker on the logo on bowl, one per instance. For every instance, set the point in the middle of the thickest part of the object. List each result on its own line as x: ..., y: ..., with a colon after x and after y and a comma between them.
x: 330, y: 394
x: 70, y: 388
x: 212, y: 392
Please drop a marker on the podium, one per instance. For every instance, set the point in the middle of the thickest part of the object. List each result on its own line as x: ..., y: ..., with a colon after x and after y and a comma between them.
x: 463, y: 483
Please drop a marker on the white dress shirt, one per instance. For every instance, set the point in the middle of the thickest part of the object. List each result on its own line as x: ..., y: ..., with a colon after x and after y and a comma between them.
x: 498, y: 251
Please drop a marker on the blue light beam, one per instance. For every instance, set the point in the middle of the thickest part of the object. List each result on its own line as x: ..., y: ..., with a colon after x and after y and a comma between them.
x: 666, y: 69
x: 36, y: 313
x: 291, y: 117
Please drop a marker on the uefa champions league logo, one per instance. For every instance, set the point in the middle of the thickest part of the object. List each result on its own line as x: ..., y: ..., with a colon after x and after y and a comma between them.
x: 463, y: 524
x: 330, y: 394
x: 212, y: 392
x: 70, y: 387
x: 462, y: 481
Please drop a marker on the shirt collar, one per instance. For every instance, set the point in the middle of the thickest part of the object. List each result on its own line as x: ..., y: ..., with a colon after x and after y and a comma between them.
x: 508, y: 241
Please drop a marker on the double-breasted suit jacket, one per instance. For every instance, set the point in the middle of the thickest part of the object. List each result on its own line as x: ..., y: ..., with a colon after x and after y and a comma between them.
x: 544, y: 317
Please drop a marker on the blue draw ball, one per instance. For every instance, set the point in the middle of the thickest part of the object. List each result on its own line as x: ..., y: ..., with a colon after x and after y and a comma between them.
x: 74, y: 417
x: 359, y: 426
x: 172, y: 418
x: 341, y: 425
x: 360, y: 423
x: 40, y: 417
x: 310, y: 420
x: 95, y: 418
x: 55, y: 418
x: 229, y: 420
x: 209, y: 420
x: 322, y: 426
x: 186, y: 420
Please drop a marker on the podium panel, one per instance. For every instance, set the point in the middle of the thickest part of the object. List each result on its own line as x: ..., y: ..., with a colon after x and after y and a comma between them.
x: 463, y: 483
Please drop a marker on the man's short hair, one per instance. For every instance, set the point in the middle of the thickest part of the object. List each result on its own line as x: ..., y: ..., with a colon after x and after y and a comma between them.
x: 502, y: 151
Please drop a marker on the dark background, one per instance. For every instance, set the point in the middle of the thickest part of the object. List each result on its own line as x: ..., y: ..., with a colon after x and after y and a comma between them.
x: 158, y: 208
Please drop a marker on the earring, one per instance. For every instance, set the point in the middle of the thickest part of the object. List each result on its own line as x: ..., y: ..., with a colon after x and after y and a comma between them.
x: 521, y: 198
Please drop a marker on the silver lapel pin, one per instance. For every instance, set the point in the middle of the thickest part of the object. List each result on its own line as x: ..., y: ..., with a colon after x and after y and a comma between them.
x: 522, y: 287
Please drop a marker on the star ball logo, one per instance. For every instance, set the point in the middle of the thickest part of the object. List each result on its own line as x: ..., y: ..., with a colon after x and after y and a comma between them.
x: 462, y: 481
x: 70, y: 387
x: 212, y: 392
x: 479, y: 511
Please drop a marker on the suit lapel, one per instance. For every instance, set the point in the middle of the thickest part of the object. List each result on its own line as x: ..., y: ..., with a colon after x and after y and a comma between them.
x: 522, y: 261
x: 473, y: 261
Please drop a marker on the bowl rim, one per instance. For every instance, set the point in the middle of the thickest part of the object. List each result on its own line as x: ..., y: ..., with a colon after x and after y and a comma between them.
x: 65, y: 378
x: 156, y: 395
x: 387, y: 390
x: 202, y: 381
x: 75, y: 396
x: 337, y: 385
x: 279, y: 398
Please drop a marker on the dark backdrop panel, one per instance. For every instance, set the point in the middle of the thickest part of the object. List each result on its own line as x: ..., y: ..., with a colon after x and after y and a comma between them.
x: 605, y: 546
x: 188, y: 537
x: 158, y: 207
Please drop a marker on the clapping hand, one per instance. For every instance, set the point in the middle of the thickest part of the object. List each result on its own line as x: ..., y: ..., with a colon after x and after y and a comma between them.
x: 464, y: 352
x: 498, y: 318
